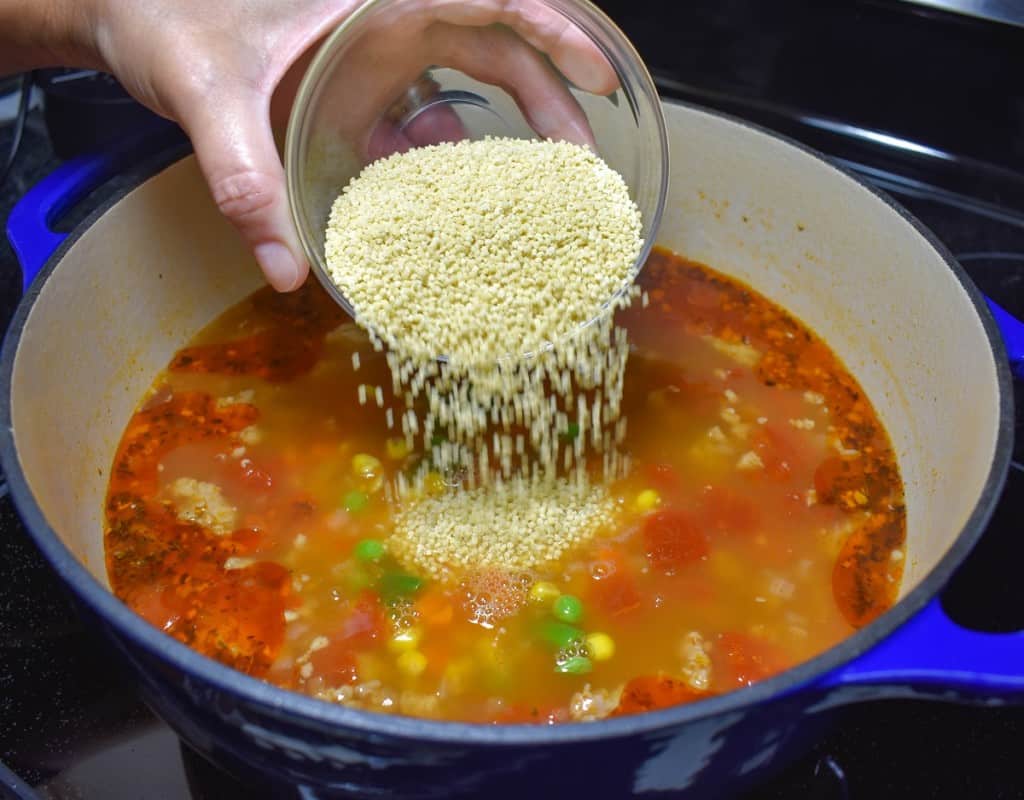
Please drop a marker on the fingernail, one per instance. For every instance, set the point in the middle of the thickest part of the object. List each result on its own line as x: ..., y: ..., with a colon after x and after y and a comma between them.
x: 565, y: 128
x: 589, y: 71
x: 278, y: 265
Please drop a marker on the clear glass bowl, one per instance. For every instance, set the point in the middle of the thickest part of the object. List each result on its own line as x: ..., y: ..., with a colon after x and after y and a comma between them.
x: 392, y: 75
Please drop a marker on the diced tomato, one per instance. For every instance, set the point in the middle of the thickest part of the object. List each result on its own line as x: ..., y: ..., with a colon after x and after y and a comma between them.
x: 336, y: 663
x: 365, y: 623
x: 434, y: 607
x: 616, y: 593
x: 741, y: 659
x: 651, y: 692
x: 673, y: 539
x: 728, y: 512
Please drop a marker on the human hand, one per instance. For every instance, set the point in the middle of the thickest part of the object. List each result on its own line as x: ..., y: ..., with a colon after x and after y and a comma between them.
x: 214, y: 68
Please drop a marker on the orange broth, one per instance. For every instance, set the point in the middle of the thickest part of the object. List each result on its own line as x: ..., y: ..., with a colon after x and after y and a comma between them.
x: 762, y: 520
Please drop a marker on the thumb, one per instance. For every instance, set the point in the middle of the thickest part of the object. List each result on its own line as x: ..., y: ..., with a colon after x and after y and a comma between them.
x: 235, y: 147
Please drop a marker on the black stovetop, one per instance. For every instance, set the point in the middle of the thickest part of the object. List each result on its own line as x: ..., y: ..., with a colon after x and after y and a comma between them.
x: 925, y: 105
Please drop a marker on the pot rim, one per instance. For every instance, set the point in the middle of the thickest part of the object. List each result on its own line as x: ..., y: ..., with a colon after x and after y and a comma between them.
x: 272, y: 700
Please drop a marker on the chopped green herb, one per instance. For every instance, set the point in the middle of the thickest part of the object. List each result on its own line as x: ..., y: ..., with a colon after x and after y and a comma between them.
x: 560, y: 634
x: 396, y: 583
x: 577, y: 665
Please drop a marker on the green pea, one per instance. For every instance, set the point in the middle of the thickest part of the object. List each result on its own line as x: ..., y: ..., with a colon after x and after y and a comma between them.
x: 397, y: 583
x: 369, y: 550
x: 559, y: 634
x: 355, y: 501
x: 572, y: 430
x: 577, y: 665
x: 567, y: 608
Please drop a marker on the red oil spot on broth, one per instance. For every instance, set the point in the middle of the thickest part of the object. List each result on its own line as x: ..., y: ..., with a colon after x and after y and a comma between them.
x: 275, y: 355
x: 156, y: 430
x: 672, y: 539
x: 651, y: 692
x: 285, y: 351
x: 308, y: 309
x: 865, y: 578
x: 172, y: 571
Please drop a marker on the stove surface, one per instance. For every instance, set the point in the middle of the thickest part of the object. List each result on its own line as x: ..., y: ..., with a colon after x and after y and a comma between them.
x: 925, y: 106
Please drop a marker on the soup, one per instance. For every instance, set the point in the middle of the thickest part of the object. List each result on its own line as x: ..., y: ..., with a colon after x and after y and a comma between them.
x: 760, y: 520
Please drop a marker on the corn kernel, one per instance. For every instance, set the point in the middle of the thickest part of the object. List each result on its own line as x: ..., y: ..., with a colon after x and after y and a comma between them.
x: 368, y: 469
x: 397, y: 448
x: 433, y: 484
x: 647, y: 500
x: 404, y: 641
x: 600, y: 645
x: 364, y: 465
x: 544, y: 592
x: 412, y: 663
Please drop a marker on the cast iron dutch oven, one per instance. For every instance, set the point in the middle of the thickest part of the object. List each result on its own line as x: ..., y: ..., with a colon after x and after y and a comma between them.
x: 114, y: 300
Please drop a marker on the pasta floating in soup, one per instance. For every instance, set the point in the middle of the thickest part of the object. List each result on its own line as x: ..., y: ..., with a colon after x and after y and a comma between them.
x: 251, y: 515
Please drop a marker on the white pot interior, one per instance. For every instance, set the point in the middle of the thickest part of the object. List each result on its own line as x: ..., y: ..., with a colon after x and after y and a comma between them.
x: 162, y: 262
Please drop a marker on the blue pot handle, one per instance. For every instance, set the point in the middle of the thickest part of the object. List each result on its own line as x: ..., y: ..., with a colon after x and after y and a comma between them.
x: 1012, y: 330
x: 29, y: 226
x: 930, y: 652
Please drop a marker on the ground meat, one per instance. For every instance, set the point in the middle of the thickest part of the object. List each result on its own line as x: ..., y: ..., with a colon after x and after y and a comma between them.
x: 696, y: 671
x: 593, y: 704
x: 368, y: 695
x: 251, y: 435
x: 244, y: 396
x: 204, y: 504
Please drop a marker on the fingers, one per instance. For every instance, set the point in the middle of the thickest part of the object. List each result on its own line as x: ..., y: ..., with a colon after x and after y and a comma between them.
x: 237, y: 155
x: 572, y: 51
x: 499, y: 57
x: 385, y: 140
x: 435, y: 125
